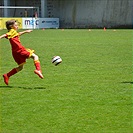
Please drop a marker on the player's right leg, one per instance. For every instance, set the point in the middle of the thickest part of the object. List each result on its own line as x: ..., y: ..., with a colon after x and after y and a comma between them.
x: 37, y: 65
x: 10, y: 73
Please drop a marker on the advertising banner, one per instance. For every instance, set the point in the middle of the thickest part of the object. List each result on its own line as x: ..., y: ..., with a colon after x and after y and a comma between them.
x: 33, y: 23
x: 30, y: 23
x: 3, y: 21
x: 49, y: 23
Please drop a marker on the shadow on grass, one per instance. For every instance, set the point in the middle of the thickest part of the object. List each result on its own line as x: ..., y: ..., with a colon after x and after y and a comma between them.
x: 23, y: 87
x: 127, y: 82
x: 6, y: 87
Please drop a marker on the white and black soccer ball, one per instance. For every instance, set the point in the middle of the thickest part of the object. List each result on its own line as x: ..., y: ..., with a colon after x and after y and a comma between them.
x: 56, y: 60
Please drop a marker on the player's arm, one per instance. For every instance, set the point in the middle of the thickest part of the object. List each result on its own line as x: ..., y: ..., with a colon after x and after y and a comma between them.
x: 3, y: 36
x: 26, y: 31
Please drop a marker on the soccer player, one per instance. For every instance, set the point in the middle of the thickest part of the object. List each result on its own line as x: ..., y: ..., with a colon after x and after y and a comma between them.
x: 19, y: 52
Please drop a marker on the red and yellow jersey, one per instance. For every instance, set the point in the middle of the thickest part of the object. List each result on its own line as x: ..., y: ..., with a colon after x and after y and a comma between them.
x: 14, y: 39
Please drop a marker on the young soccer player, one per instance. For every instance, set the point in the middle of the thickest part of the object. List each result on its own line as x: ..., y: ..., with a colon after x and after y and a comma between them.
x: 19, y: 52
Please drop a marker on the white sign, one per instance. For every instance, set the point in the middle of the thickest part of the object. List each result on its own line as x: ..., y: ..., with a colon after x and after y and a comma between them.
x: 30, y: 23
x: 33, y: 23
x: 49, y: 23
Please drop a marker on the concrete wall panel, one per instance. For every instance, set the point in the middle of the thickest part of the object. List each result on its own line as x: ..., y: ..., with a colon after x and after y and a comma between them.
x: 93, y: 13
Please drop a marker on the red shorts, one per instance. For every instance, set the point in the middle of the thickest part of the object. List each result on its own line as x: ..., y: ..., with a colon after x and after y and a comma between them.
x: 21, y: 56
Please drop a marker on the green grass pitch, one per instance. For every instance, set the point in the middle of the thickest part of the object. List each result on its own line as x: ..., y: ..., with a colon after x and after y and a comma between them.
x: 89, y: 92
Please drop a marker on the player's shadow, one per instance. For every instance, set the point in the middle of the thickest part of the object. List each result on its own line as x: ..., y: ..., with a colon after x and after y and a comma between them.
x: 127, y: 82
x: 37, y: 88
x: 23, y: 87
x: 6, y: 87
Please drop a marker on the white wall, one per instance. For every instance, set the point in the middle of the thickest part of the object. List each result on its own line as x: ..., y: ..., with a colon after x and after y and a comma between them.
x: 93, y: 13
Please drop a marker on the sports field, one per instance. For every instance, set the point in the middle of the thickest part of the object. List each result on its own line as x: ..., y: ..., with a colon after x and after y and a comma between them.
x: 89, y: 92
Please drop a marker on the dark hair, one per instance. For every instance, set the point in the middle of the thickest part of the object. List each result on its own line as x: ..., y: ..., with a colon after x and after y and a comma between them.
x: 9, y: 24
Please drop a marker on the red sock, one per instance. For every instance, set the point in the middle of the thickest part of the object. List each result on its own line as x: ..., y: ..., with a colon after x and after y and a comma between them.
x: 12, y: 72
x: 37, y: 65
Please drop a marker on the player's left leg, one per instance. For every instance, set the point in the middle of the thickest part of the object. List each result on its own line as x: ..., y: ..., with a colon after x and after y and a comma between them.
x: 37, y: 65
x: 11, y: 73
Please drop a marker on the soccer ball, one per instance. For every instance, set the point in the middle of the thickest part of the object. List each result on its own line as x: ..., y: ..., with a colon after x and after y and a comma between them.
x: 56, y: 60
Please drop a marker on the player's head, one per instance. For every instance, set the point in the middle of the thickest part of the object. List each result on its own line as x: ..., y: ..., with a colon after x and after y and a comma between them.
x: 11, y: 24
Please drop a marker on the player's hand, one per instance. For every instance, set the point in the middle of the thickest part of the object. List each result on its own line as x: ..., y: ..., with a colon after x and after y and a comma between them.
x: 28, y: 31
x: 3, y: 36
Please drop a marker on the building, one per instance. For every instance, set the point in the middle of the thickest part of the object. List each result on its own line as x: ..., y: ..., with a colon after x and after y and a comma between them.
x: 76, y: 13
